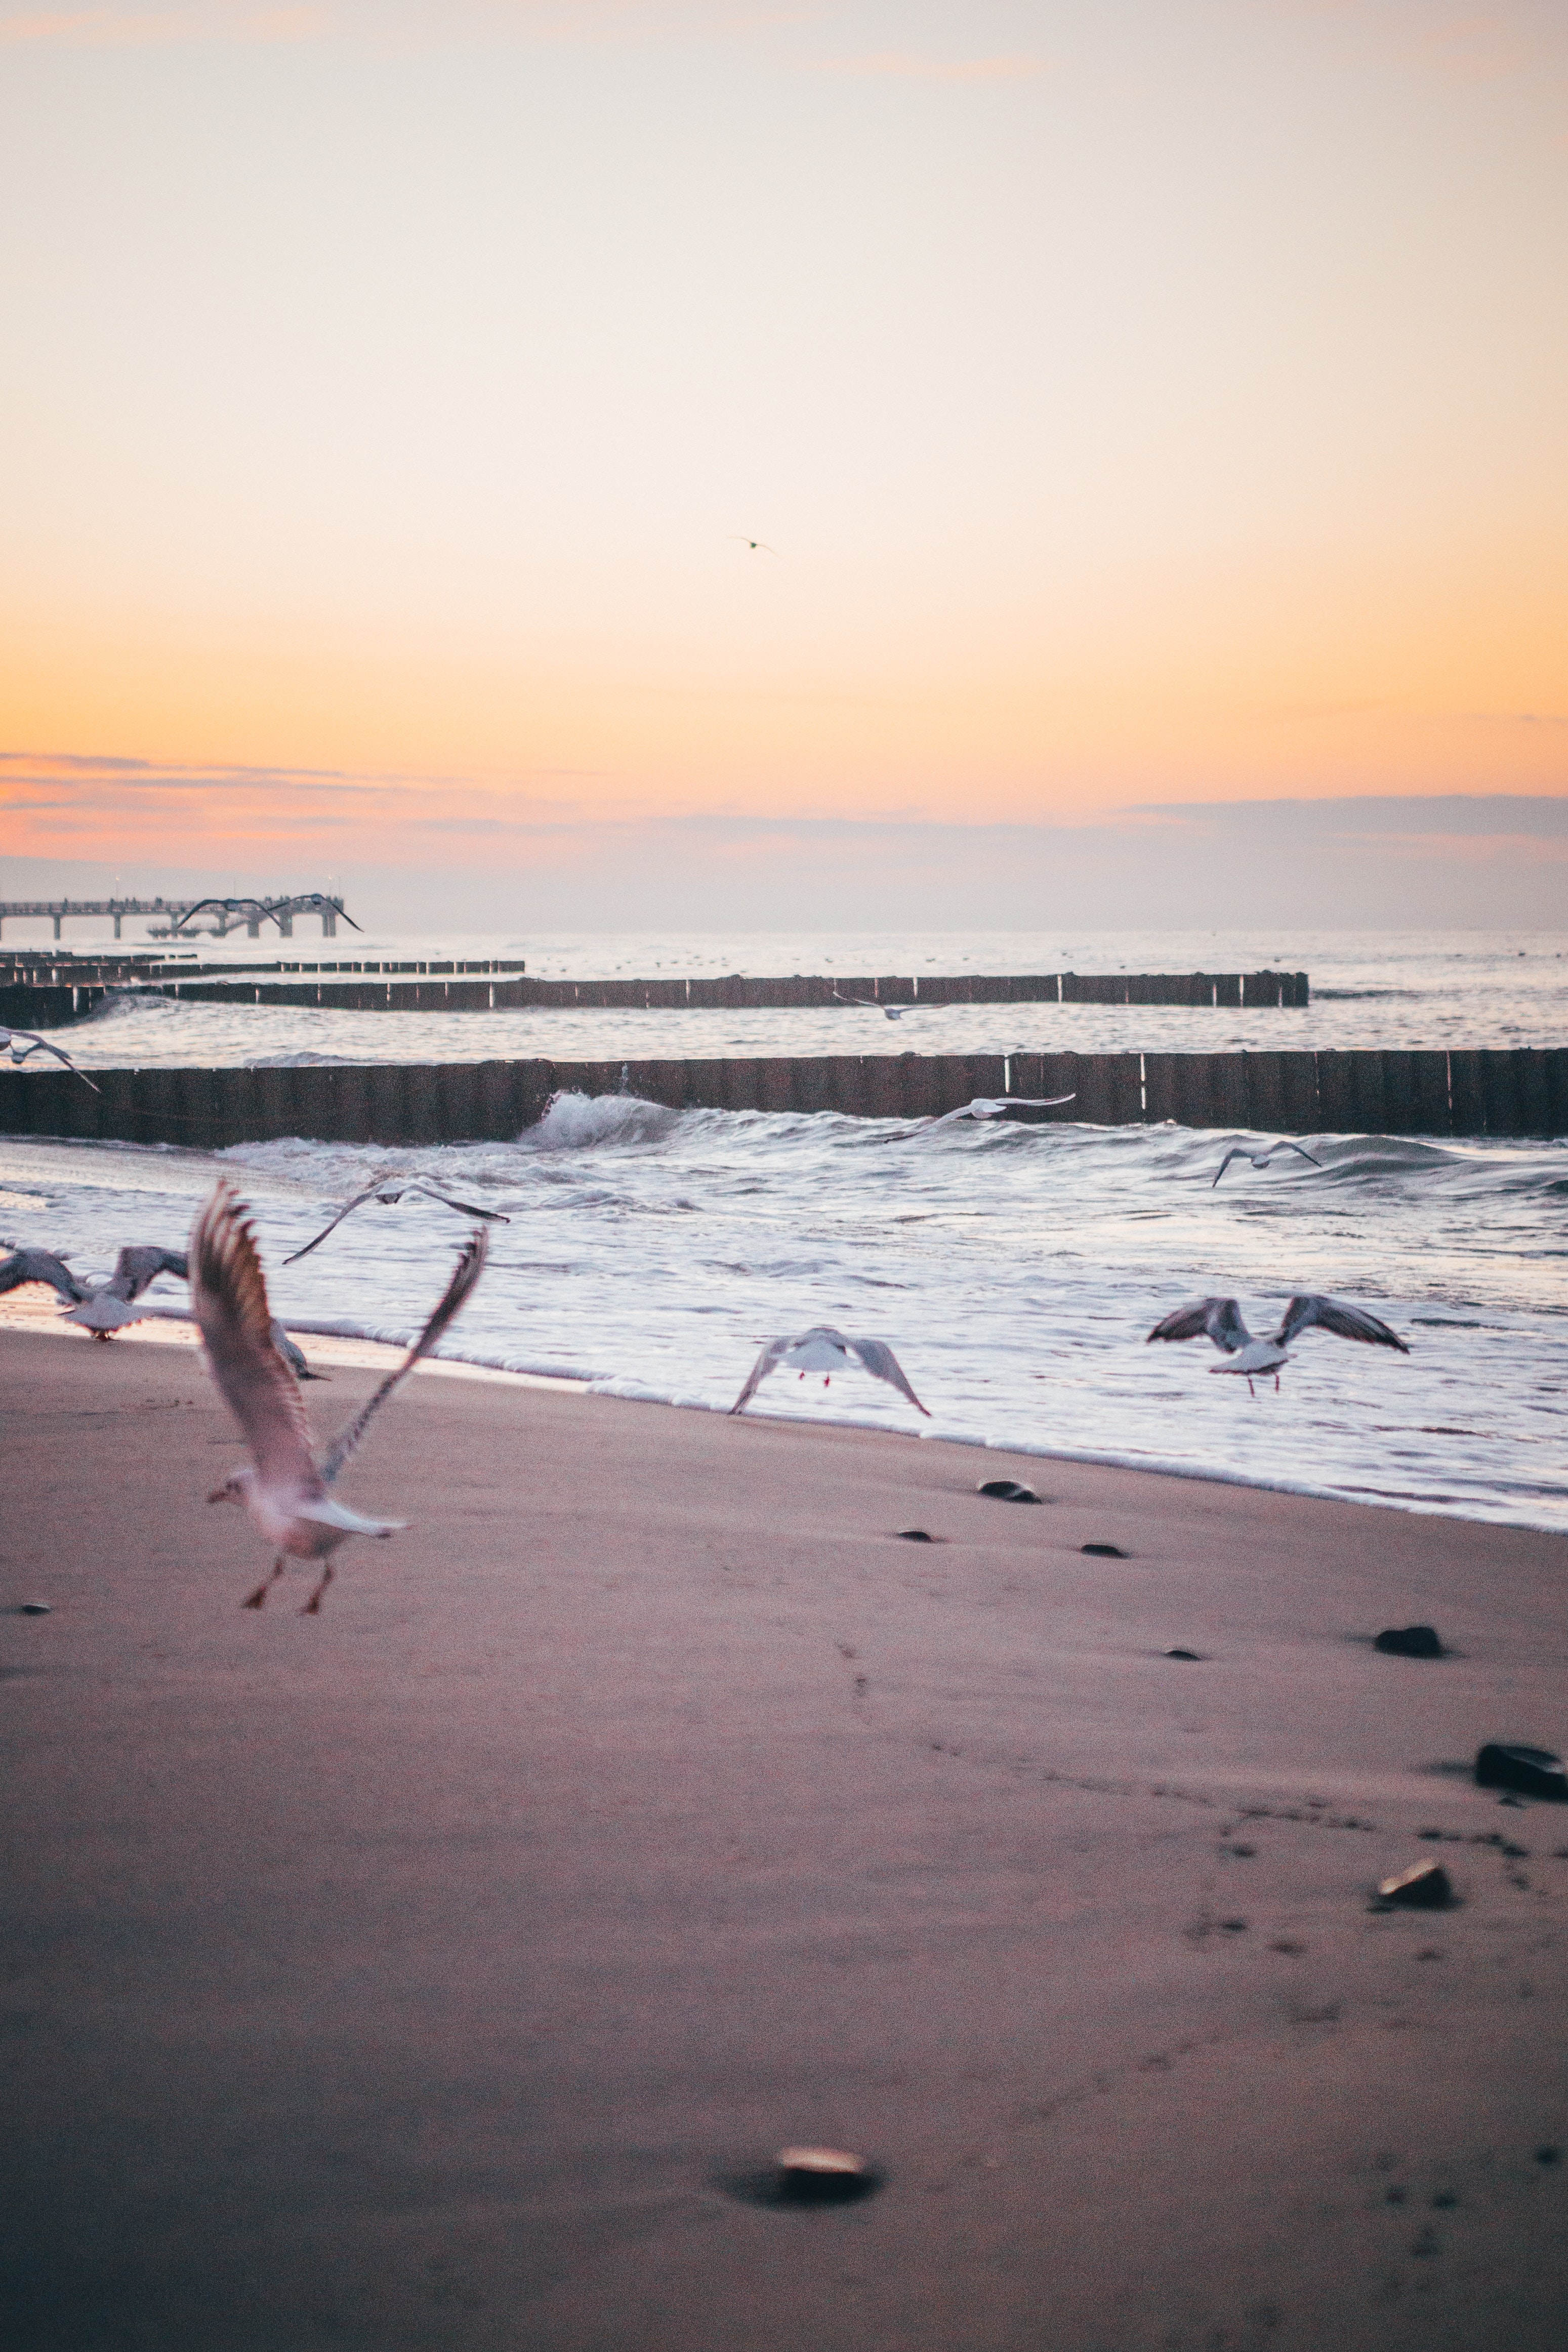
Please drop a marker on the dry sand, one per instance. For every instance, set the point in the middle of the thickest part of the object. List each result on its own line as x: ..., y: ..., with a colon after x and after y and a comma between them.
x: 437, y: 1972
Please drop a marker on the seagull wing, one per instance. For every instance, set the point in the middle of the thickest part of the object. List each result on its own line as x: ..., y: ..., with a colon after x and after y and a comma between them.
x: 357, y: 1203
x: 772, y: 1355
x: 465, y: 1275
x: 466, y: 1208
x: 1286, y: 1145
x: 1219, y: 1320
x: 879, y: 1360
x: 41, y: 1266
x: 136, y: 1270
x: 38, y: 1045
x: 1236, y: 1152
x: 1349, y: 1322
x: 228, y: 1299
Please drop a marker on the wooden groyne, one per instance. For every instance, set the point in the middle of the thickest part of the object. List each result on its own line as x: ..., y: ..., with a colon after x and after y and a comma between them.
x: 69, y: 998
x: 1519, y: 1092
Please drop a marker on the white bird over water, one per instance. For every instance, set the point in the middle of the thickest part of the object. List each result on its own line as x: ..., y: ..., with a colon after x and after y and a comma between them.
x: 874, y: 1005
x: 388, y: 1192
x: 1262, y: 1158
x: 824, y: 1350
x: 36, y: 1044
x: 1219, y: 1319
x: 1008, y: 1107
x: 285, y: 1491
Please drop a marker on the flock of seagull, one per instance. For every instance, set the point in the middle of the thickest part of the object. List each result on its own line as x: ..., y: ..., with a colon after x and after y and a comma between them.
x: 257, y: 1367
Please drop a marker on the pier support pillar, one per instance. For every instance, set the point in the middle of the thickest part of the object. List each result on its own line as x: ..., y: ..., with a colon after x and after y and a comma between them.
x: 329, y: 923
x: 285, y: 927
x: 57, y: 923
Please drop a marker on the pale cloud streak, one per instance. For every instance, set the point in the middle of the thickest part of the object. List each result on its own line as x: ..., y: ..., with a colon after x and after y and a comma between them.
x: 907, y: 65
x: 159, y: 27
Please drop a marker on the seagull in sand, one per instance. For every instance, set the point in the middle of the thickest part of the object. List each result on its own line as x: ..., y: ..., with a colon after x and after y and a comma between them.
x: 1219, y: 1319
x: 822, y: 1350
x: 36, y: 1044
x: 41, y: 1266
x: 389, y: 1192
x: 286, y: 1492
x: 1262, y: 1158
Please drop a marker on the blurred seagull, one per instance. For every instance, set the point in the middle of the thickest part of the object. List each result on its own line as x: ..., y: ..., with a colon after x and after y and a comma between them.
x: 1262, y: 1158
x: 391, y: 1190
x: 109, y: 1305
x: 755, y: 545
x: 41, y: 1266
x: 36, y: 1044
x: 822, y: 1350
x: 1002, y: 1106
x: 285, y: 1491
x: 1219, y: 1319
x: 871, y: 1004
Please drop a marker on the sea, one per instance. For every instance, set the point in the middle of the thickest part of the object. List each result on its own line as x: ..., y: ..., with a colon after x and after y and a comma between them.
x: 1014, y: 1271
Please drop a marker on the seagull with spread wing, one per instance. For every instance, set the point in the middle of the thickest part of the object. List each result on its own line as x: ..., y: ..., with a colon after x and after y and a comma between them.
x: 1262, y: 1158
x: 1219, y: 1319
x: 388, y: 1192
x: 287, y: 1494
x: 874, y: 1005
x: 108, y: 1308
x: 1013, y: 1109
x: 824, y: 1350
x: 36, y: 1044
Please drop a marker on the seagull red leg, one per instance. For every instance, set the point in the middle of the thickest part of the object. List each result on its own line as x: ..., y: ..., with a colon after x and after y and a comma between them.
x: 259, y: 1598
x: 313, y: 1606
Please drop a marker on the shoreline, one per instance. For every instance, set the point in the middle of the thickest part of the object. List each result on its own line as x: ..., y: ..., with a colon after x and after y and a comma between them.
x: 338, y: 1342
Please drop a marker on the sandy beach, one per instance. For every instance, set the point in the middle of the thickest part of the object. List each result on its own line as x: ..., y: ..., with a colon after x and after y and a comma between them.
x: 444, y: 1971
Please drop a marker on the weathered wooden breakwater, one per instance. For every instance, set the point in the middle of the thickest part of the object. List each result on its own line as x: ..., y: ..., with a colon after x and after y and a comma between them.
x: 1519, y: 1092
x: 48, y: 1004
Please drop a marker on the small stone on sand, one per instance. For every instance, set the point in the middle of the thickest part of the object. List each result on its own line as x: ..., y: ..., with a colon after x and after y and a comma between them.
x: 34, y: 1609
x: 914, y: 1535
x: 1508, y: 1764
x: 1424, y: 1887
x: 1007, y: 1490
x: 823, y: 2176
x: 1194, y: 1657
x: 1409, y: 1642
x: 1103, y: 1551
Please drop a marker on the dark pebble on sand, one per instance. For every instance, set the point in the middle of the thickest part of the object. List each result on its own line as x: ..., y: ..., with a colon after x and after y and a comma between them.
x: 823, y: 2176
x: 1192, y: 1657
x: 1409, y: 1642
x: 914, y: 1535
x: 1549, y: 2154
x: 1104, y: 1552
x: 1508, y: 1764
x: 34, y: 1609
x: 1007, y: 1490
x: 1424, y: 1887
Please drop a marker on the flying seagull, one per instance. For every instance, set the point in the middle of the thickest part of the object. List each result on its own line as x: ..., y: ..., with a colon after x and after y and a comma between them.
x: 36, y: 1044
x: 288, y: 1494
x: 822, y: 1350
x: 41, y: 1266
x: 1219, y: 1319
x: 108, y: 1307
x: 391, y: 1190
x: 1262, y: 1158
x: 755, y: 544
x: 1013, y: 1108
x: 872, y: 1004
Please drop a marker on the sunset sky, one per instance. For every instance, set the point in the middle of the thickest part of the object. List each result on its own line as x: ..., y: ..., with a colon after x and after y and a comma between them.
x: 1147, y: 402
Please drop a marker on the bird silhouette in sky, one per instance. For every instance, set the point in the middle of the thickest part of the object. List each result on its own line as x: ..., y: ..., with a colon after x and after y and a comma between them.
x: 755, y: 544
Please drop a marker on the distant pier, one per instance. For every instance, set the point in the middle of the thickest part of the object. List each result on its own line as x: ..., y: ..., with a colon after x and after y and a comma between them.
x: 225, y: 915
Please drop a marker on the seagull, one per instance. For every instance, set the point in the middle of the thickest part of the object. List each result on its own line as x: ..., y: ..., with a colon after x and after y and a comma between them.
x: 755, y: 544
x: 41, y: 1266
x: 1220, y: 1320
x: 111, y: 1304
x: 288, y: 1494
x: 391, y: 1190
x: 871, y: 1004
x: 1262, y: 1158
x: 822, y: 1350
x: 1002, y: 1107
x: 36, y: 1044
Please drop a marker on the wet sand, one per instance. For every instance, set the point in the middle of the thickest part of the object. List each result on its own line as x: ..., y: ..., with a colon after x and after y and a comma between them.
x: 441, y: 1971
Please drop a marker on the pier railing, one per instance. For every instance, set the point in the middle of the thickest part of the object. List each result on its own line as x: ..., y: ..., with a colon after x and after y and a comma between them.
x: 1519, y: 1092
